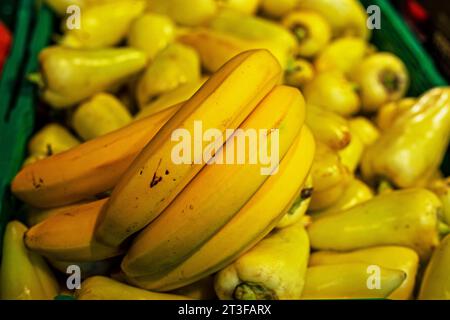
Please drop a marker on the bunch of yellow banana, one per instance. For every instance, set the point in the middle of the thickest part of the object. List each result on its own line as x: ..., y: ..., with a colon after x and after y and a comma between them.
x: 355, y: 179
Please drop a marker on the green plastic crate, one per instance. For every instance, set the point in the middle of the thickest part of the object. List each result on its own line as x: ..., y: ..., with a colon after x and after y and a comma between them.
x: 33, y: 30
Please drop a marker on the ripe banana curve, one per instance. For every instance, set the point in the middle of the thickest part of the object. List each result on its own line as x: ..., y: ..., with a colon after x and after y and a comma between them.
x: 154, y: 180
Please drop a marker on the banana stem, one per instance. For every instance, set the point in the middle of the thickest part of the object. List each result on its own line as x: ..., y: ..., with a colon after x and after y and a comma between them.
x: 443, y: 229
x: 253, y: 291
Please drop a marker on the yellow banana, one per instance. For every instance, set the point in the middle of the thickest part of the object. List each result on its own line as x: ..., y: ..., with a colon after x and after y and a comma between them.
x: 350, y: 281
x: 175, y: 65
x: 102, y: 114
x: 216, y: 48
x: 331, y: 91
x: 436, y: 281
x: 355, y: 192
x: 88, y: 269
x: 159, y: 28
x: 244, y: 6
x: 278, y: 8
x: 102, y: 288
x: 274, y: 269
x: 24, y: 275
x: 95, y: 166
x: 311, y: 30
x: 390, y: 111
x: 154, y: 180
x: 398, y: 155
x: 179, y: 95
x: 35, y: 215
x: 256, y: 219
x: 103, y: 25
x: 187, y: 13
x: 70, y: 236
x: 343, y: 54
x: 200, y: 290
x: 32, y: 159
x: 328, y: 127
x: 50, y: 140
x: 405, y: 218
x: 164, y: 243
x: 392, y: 257
x: 86, y: 72
x: 381, y: 77
x: 346, y: 17
x: 365, y: 130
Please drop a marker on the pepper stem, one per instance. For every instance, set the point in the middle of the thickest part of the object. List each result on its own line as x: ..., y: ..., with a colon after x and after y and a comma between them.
x: 300, y: 32
x: 390, y: 80
x: 37, y: 79
x: 253, y: 291
x: 443, y: 229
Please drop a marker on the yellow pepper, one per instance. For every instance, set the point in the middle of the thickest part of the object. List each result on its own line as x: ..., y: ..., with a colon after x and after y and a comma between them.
x: 332, y: 91
x: 273, y: 269
x: 311, y: 30
x: 299, y: 72
x: 187, y: 13
x: 404, y: 218
x: 100, y: 115
x: 392, y: 257
x: 436, y: 280
x: 328, y: 127
x: 412, y: 148
x: 151, y: 33
x: 172, y: 67
x: 50, y: 140
x: 355, y: 192
x: 103, y: 25
x: 349, y: 281
x: 70, y: 76
x: 329, y: 176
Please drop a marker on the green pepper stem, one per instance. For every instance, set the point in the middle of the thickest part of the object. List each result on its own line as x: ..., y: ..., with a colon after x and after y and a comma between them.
x: 253, y: 291
x: 37, y: 79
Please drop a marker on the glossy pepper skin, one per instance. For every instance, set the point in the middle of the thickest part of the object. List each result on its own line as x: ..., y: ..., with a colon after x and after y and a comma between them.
x: 392, y: 257
x: 330, y: 178
x: 349, y: 281
x: 157, y: 27
x: 355, y: 192
x: 273, y: 269
x: 406, y: 218
x: 436, y: 281
x: 50, y: 140
x: 174, y: 66
x: 411, y: 150
x: 328, y: 127
x: 311, y: 30
x: 100, y: 115
x: 69, y: 76
x: 103, y: 25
